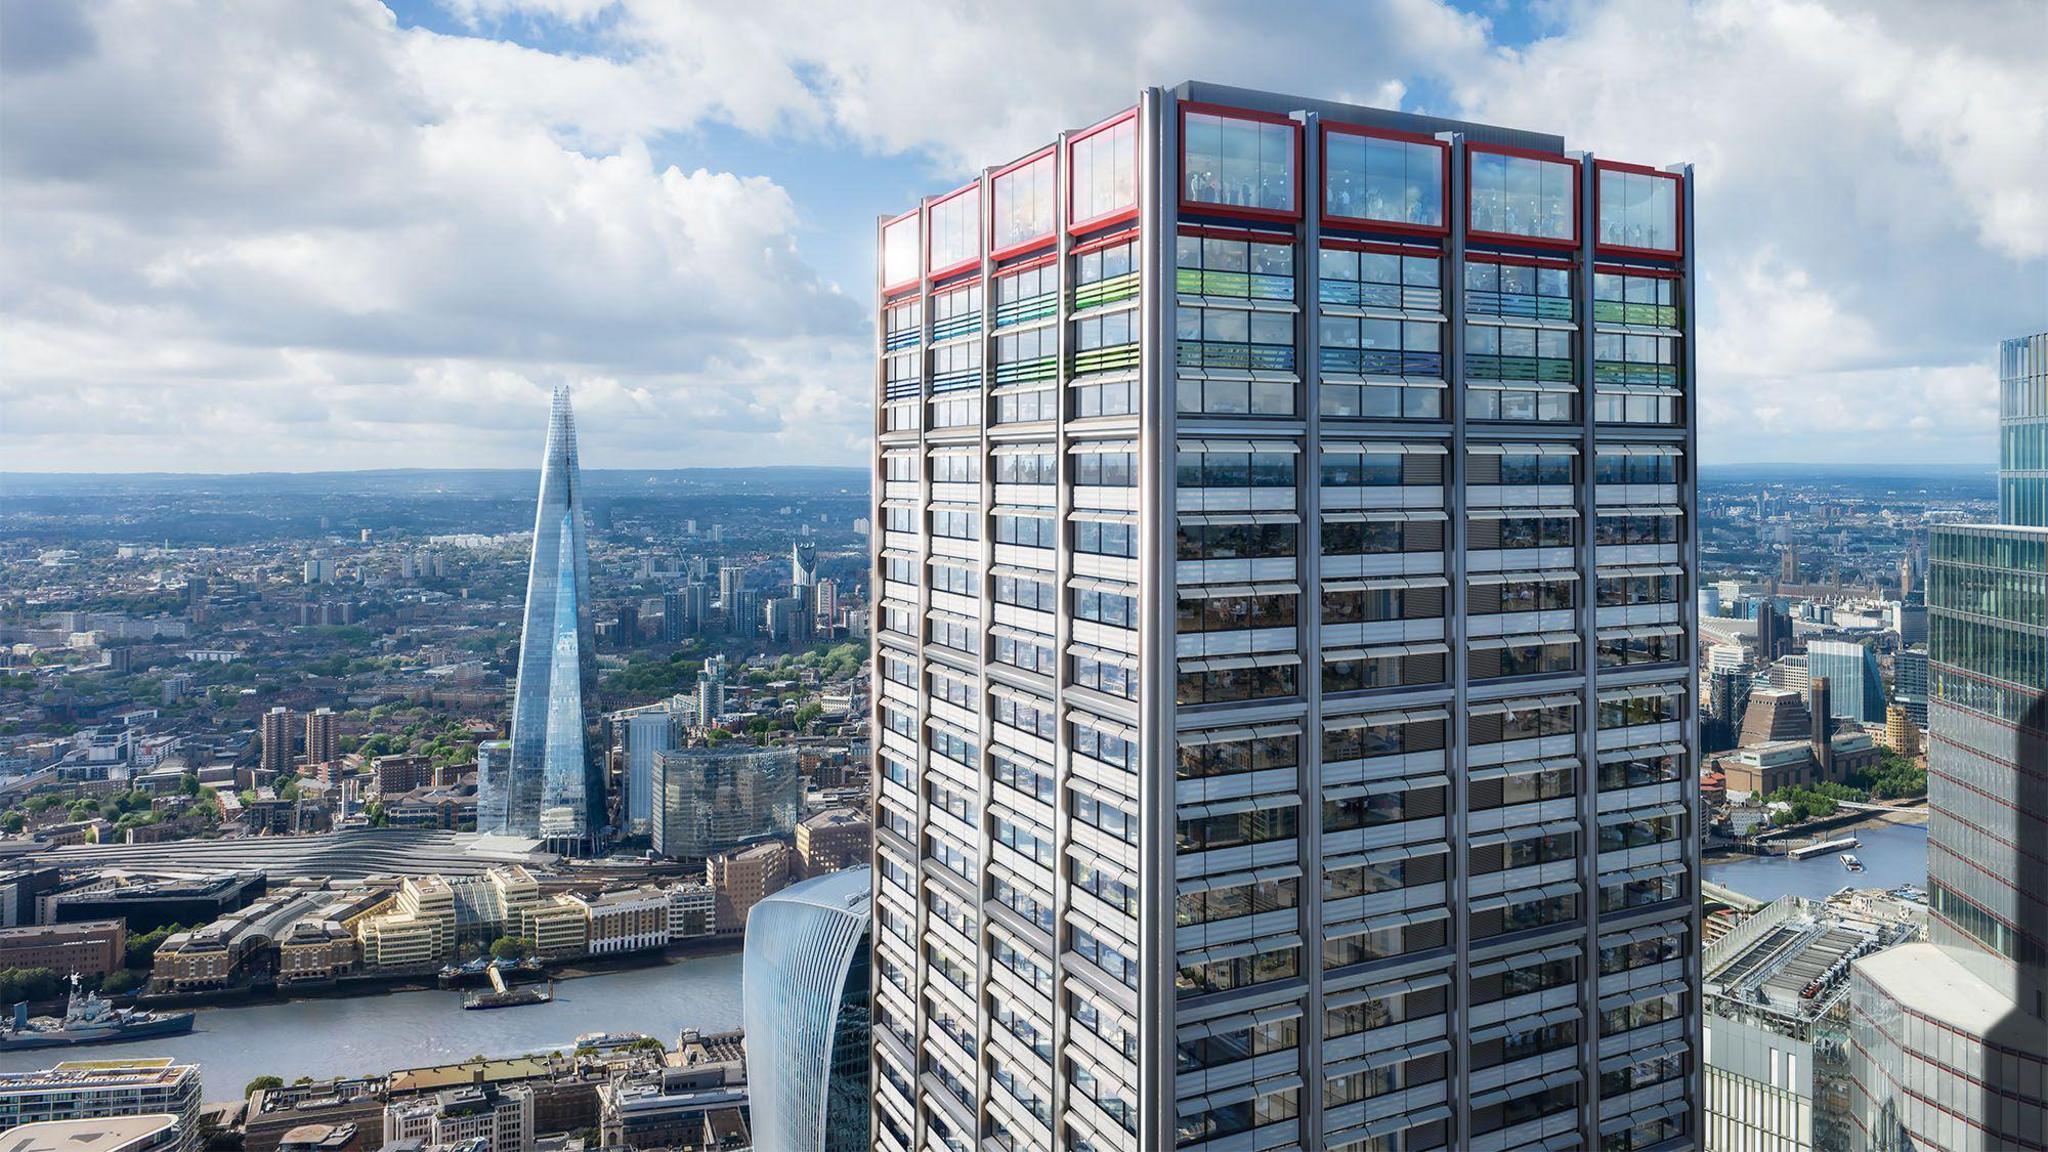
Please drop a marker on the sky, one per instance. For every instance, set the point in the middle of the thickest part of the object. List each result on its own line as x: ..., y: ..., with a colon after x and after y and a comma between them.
x: 260, y: 236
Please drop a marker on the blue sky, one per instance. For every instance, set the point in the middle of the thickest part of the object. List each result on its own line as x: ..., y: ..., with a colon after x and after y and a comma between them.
x: 246, y: 237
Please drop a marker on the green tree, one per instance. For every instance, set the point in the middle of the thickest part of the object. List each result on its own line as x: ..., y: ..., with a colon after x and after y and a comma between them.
x: 13, y: 822
x: 262, y: 1084
x: 123, y: 980
x: 189, y: 783
x: 511, y: 948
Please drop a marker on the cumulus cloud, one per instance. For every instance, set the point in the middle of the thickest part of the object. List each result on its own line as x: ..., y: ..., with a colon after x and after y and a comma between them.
x: 250, y: 236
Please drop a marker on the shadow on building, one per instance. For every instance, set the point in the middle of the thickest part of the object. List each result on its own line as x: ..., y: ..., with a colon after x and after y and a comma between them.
x: 2022, y: 1033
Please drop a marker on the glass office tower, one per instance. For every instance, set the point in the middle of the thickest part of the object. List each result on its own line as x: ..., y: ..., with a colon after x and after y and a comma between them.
x: 554, y: 786
x: 1857, y: 687
x: 1951, y: 1036
x: 2023, y: 430
x: 1285, y: 641
x: 804, y: 999
x: 710, y: 799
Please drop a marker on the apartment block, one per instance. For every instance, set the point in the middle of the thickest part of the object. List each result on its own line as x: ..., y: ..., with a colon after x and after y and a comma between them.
x: 1284, y: 623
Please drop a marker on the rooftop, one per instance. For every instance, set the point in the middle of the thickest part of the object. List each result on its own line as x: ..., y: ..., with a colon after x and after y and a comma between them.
x: 1789, y: 961
x: 105, y: 1134
x: 1929, y: 981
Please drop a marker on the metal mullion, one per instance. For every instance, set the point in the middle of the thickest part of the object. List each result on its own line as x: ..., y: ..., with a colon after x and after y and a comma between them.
x: 1063, y: 628
x: 1309, y: 569
x: 1588, y: 794
x: 1158, y: 216
x: 1688, y: 499
x: 1456, y: 666
x: 985, y: 612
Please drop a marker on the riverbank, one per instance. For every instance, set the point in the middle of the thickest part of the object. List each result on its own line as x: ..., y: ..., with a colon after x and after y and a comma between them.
x: 1893, y: 853
x: 349, y: 987
x: 352, y: 1035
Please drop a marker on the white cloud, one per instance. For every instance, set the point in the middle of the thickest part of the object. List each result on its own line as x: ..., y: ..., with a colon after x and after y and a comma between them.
x: 251, y: 236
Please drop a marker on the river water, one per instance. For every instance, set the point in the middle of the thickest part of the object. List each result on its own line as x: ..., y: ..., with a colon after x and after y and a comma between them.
x: 1892, y: 855
x: 331, y: 1036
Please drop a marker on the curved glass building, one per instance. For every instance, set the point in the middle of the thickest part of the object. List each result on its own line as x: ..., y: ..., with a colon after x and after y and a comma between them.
x: 554, y: 788
x: 707, y: 800
x: 805, y: 992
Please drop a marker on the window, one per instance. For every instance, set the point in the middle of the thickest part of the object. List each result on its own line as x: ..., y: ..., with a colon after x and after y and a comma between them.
x: 1106, y: 275
x: 1106, y: 673
x: 957, y: 312
x: 1229, y: 538
x: 1108, y: 747
x: 1523, y: 196
x: 1235, y: 829
x: 1026, y: 531
x: 956, y: 468
x: 1353, y: 670
x: 956, y: 413
x: 1106, y: 538
x: 1357, y: 943
x: 1381, y: 1010
x: 1233, y: 612
x: 1103, y: 166
x: 1635, y: 526
x: 1383, y: 179
x: 1523, y: 291
x: 957, y: 580
x: 1392, y: 738
x: 1388, y: 469
x: 1643, y: 301
x: 1230, y: 901
x: 902, y: 323
x: 1026, y: 650
x: 902, y: 375
x: 1631, y: 711
x: 1235, y: 469
x: 1366, y: 878
x: 1117, y: 396
x: 1024, y: 592
x: 1233, y: 757
x: 1026, y: 407
x: 1239, y: 163
x: 1529, y: 655
x: 1026, y: 356
x: 1646, y: 466
x: 955, y: 231
x: 1199, y: 977
x: 1638, y: 210
x: 1225, y: 679
x: 899, y: 251
x: 1507, y: 353
x: 1534, y: 530
x: 1242, y: 1042
x: 956, y: 366
x: 956, y: 524
x: 1026, y: 468
x: 1233, y: 338
x: 1375, y: 809
x: 1638, y: 770
x: 1027, y: 714
x: 1366, y: 346
x: 1622, y: 647
x: 1526, y: 785
x: 1364, y: 537
x: 1225, y: 1120
x: 1105, y: 343
x: 1226, y: 266
x: 1027, y: 294
x: 1106, y: 469
x: 1104, y: 816
x: 1114, y: 609
x: 1637, y: 829
x: 1355, y: 277
x: 1344, y: 603
x: 1022, y: 199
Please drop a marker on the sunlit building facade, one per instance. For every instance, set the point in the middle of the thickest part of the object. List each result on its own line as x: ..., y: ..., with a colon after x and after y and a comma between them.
x: 805, y: 992
x: 1284, y: 617
x: 1951, y: 1036
x: 2023, y: 430
x: 554, y: 786
x: 710, y: 799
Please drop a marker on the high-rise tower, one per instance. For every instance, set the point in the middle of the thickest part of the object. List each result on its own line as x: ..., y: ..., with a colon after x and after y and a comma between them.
x: 1951, y: 1036
x: 1285, y: 616
x: 555, y: 787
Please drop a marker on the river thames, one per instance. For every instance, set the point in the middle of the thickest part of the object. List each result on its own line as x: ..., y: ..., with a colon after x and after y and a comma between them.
x: 1892, y: 855
x: 330, y: 1036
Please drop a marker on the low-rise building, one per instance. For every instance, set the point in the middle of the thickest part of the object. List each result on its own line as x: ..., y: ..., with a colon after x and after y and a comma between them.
x: 96, y: 1089
x: 488, y: 1118
x: 692, y: 911
x: 831, y: 840
x: 559, y: 927
x: 627, y: 921
x: 89, y: 948
x: 315, y: 951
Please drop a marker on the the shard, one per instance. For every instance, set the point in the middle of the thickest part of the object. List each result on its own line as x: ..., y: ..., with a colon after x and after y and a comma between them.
x: 554, y: 788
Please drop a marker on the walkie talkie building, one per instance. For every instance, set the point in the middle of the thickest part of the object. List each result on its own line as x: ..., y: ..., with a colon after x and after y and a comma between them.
x: 1284, y: 649
x: 554, y: 787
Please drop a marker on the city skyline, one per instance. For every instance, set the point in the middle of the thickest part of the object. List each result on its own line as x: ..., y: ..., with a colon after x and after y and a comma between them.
x: 393, y: 261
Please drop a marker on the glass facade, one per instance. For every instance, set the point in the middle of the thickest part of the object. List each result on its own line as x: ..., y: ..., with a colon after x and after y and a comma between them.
x: 1949, y: 1049
x: 709, y: 799
x: 805, y: 993
x: 1279, y: 711
x: 554, y: 785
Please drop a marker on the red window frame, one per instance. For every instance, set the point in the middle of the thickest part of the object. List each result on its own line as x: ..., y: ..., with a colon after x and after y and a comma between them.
x: 995, y: 253
x: 1677, y: 210
x: 1517, y: 261
x: 1578, y: 180
x: 882, y: 250
x: 1342, y: 244
x: 1225, y: 111
x: 1115, y: 216
x: 974, y: 261
x: 1323, y: 189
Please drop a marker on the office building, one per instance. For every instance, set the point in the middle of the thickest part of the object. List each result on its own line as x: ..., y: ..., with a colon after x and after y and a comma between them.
x: 475, y: 1117
x: 276, y: 736
x: 833, y: 839
x: 323, y: 736
x: 1285, y: 641
x: 643, y: 734
x: 711, y: 798
x: 556, y: 787
x: 804, y: 997
x: 1851, y: 669
x: 1949, y: 1033
x: 739, y: 880
x: 87, y: 947
x: 1909, y: 683
x: 154, y: 1133
x: 493, y: 785
x: 103, y: 1089
x: 1777, y: 1027
x: 2023, y: 431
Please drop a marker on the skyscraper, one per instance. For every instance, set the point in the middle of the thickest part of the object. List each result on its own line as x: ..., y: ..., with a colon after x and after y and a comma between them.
x: 1851, y: 670
x: 2023, y: 430
x: 1285, y: 641
x: 804, y: 1000
x: 1949, y: 1045
x: 555, y: 788
x: 710, y: 799
x: 493, y: 771
x: 323, y: 736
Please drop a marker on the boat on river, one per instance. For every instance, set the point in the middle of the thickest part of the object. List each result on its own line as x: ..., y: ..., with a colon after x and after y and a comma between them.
x: 1850, y: 862
x: 88, y: 1019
